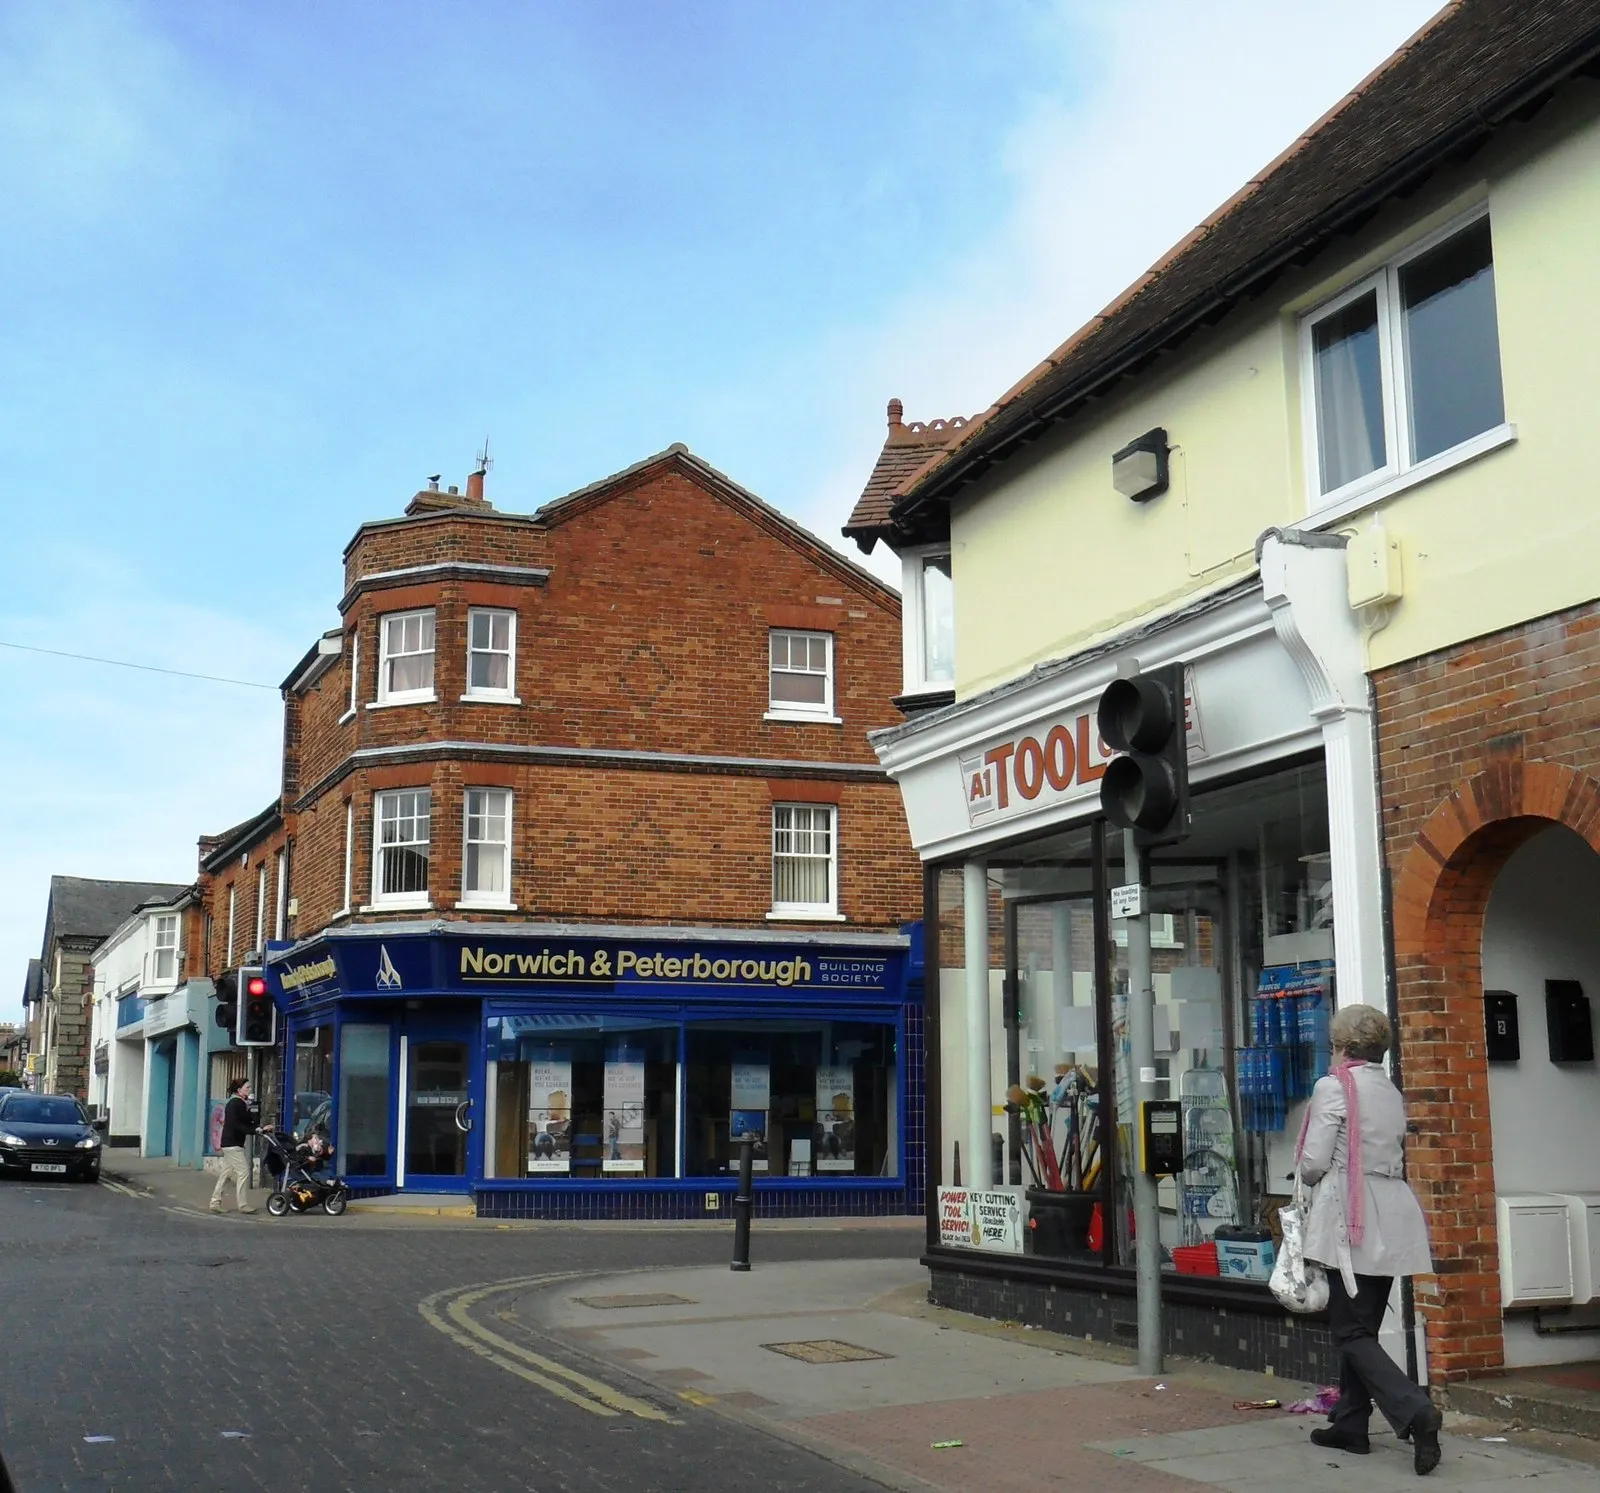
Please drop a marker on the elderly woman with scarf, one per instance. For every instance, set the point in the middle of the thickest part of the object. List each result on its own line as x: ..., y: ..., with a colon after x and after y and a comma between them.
x: 1366, y: 1227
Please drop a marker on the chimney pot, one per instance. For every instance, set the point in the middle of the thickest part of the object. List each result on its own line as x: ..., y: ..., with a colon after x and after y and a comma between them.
x: 453, y: 489
x: 475, y: 485
x: 896, y: 413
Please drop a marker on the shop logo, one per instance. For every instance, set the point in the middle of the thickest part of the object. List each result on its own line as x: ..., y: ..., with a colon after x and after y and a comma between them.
x: 388, y: 975
x: 308, y: 974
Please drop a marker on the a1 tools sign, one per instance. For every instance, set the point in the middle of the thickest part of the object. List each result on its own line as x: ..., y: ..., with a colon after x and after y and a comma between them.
x: 1145, y: 787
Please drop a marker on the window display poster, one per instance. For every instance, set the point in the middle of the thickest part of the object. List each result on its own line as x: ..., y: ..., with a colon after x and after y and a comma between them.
x: 955, y: 1218
x: 623, y: 1112
x: 749, y: 1099
x: 550, y: 1113
x: 836, y: 1120
x: 974, y: 1219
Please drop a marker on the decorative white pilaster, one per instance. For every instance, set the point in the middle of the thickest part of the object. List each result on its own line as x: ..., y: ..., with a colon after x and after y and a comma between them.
x: 976, y: 1170
x: 1303, y: 580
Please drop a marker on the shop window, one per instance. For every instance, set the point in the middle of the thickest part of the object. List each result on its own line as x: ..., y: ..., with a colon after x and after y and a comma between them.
x: 1404, y: 367
x: 164, y: 964
x: 491, y: 654
x: 803, y: 860
x: 364, y: 1101
x: 400, y: 848
x: 405, y: 657
x: 312, y: 1104
x: 818, y: 1097
x: 593, y: 1097
x: 486, y: 863
x: 800, y: 675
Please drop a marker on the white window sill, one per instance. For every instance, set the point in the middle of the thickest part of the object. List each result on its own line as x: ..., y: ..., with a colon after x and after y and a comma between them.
x: 802, y: 718
x: 1361, y: 497
x: 399, y: 904
x: 485, y: 699
x: 805, y: 915
x: 347, y: 717
x: 928, y: 687
x: 481, y: 904
x: 393, y: 700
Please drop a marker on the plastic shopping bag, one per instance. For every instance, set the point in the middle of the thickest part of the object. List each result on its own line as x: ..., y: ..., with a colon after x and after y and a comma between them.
x: 1299, y: 1284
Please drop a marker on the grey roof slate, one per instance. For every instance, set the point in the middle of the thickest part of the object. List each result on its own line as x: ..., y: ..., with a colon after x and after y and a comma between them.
x: 83, y: 908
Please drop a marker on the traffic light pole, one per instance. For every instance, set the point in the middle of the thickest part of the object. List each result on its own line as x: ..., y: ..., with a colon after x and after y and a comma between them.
x: 1142, y: 1060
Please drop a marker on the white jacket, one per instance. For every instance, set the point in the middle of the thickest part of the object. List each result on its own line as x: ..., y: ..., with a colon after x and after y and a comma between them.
x: 1395, y: 1234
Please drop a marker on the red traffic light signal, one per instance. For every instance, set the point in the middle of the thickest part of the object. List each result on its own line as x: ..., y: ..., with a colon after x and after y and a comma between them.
x: 255, y: 987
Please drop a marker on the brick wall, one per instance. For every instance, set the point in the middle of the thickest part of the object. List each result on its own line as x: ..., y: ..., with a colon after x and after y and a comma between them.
x: 1480, y: 747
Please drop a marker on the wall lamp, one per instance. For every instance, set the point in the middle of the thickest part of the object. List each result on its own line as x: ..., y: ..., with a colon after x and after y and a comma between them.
x: 1139, y: 469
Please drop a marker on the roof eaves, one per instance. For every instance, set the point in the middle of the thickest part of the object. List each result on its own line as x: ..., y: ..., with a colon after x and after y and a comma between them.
x: 241, y: 837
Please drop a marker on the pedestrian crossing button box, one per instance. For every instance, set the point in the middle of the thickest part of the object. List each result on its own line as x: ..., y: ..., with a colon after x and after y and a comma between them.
x: 1566, y: 1010
x: 1502, y: 1041
x: 1162, y: 1123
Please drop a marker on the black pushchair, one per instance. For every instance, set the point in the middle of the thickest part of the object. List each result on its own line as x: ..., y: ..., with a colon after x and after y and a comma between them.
x: 296, y: 1166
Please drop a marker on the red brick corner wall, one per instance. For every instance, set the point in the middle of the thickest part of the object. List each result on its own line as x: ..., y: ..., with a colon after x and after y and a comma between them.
x: 1480, y: 747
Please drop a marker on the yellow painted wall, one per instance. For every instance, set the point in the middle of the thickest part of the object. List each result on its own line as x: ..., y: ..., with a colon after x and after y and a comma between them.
x: 1047, y: 557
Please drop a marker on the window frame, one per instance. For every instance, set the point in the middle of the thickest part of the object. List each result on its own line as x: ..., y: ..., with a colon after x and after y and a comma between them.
x: 233, y: 893
x: 349, y: 853
x: 157, y: 948
x: 380, y: 898
x: 354, y: 702
x: 1400, y: 468
x: 259, y: 947
x: 280, y: 903
x: 508, y: 695
x: 469, y: 896
x: 792, y: 710
x: 913, y: 631
x: 829, y: 910
x: 387, y: 696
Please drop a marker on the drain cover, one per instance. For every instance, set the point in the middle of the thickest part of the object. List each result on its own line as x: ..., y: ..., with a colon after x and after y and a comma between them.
x: 611, y: 1303
x: 825, y: 1350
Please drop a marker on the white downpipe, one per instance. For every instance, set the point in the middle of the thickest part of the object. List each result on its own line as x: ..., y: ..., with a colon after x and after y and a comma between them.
x: 976, y: 1170
x: 400, y: 1127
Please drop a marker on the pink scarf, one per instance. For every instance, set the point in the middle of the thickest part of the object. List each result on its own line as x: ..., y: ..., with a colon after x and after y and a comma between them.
x: 1355, y: 1189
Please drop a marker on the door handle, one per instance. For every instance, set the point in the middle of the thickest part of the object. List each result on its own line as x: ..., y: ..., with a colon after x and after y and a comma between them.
x: 463, y: 1124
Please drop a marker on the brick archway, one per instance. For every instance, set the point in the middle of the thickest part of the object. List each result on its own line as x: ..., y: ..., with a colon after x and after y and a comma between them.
x: 1440, y: 897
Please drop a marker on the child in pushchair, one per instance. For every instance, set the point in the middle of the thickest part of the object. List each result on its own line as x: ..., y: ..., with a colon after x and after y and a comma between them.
x: 297, y: 1166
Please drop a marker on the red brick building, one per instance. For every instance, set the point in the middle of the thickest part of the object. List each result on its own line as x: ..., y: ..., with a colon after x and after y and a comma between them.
x: 582, y: 847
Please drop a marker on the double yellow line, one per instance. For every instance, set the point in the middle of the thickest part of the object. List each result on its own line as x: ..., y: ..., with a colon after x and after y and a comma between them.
x: 451, y: 1313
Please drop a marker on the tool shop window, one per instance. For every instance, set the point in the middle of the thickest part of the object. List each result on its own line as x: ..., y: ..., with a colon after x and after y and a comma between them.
x: 800, y: 675
x: 400, y: 848
x: 1403, y: 369
x: 486, y: 862
x: 405, y: 662
x: 491, y: 654
x: 804, y: 860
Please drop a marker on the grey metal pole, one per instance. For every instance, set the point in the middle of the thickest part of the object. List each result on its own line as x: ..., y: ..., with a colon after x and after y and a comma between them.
x: 743, y: 1202
x: 1142, y: 1058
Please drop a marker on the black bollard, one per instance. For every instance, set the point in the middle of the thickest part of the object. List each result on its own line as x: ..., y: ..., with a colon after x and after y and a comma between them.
x: 744, y: 1201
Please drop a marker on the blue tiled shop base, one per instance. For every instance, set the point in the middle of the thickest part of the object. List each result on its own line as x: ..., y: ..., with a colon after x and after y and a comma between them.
x: 680, y: 1202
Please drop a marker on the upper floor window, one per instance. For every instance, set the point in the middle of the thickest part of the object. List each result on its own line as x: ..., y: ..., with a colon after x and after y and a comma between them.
x: 1403, y: 367
x: 355, y: 667
x: 804, y: 860
x: 164, y: 964
x: 928, y: 617
x: 800, y: 674
x: 400, y: 847
x: 491, y: 653
x: 486, y: 864
x: 405, y: 659
x: 260, y: 944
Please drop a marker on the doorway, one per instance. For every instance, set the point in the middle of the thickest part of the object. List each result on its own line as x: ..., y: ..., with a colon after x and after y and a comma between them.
x: 436, y: 1130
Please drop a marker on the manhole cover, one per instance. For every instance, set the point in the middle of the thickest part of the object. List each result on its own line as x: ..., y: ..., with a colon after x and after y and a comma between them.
x: 825, y: 1350
x: 612, y: 1303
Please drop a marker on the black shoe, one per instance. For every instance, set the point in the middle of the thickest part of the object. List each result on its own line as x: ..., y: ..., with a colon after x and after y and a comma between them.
x: 1424, y: 1429
x: 1337, y: 1440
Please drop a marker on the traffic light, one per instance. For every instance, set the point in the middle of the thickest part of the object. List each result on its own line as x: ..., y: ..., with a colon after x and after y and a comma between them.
x: 1146, y: 788
x: 227, y: 999
x: 258, y: 1013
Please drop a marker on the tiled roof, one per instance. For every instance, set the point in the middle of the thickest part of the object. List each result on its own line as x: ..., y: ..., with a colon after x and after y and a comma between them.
x: 906, y: 451
x: 80, y: 908
x: 32, y: 984
x: 1477, y: 66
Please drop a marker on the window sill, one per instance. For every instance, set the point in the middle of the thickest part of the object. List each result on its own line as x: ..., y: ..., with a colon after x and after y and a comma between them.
x: 1352, y: 502
x: 478, y: 904
x: 803, y: 915
x: 802, y: 718
x: 389, y: 704
x: 399, y: 904
x: 491, y: 700
x: 347, y: 717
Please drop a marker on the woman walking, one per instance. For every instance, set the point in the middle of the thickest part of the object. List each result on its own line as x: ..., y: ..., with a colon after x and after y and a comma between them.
x: 1353, y: 1149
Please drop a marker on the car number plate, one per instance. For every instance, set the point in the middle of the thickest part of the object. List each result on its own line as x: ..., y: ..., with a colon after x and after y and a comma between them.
x: 49, y: 1166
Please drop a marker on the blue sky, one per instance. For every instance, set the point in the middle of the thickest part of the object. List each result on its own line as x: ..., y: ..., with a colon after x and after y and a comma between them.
x: 265, y: 269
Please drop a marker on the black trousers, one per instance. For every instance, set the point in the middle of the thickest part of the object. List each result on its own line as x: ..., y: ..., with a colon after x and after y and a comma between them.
x: 1367, y: 1375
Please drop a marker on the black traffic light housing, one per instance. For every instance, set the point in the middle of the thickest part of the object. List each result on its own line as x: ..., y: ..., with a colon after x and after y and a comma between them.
x: 258, y: 1012
x: 228, y: 999
x: 1146, y: 787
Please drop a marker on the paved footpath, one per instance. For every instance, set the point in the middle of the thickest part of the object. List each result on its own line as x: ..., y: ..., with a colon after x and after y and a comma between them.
x: 1027, y: 1409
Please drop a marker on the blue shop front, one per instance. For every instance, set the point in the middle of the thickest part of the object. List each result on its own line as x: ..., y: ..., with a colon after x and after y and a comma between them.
x: 592, y: 1072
